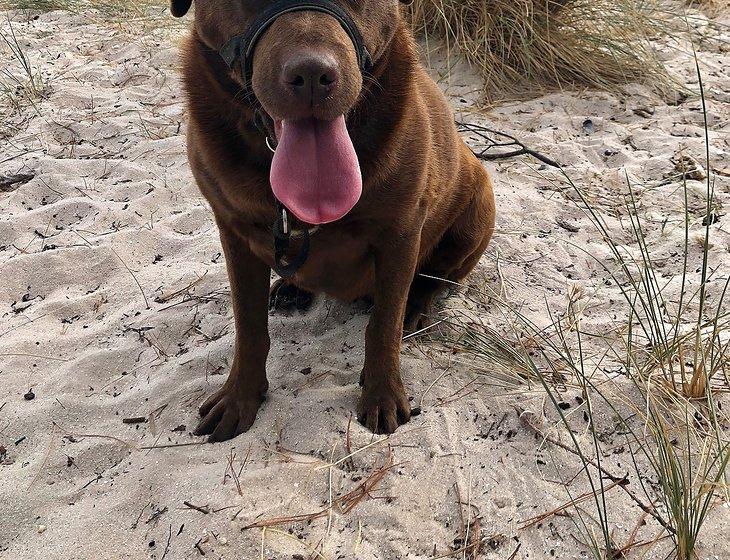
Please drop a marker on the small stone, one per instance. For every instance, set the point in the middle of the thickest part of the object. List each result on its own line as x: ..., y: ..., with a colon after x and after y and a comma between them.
x: 223, y: 541
x: 30, y: 395
x: 500, y: 502
x: 688, y: 167
x: 41, y: 529
x: 645, y: 112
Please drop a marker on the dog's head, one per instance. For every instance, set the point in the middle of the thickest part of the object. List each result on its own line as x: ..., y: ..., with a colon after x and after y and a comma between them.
x: 305, y: 64
x: 306, y: 73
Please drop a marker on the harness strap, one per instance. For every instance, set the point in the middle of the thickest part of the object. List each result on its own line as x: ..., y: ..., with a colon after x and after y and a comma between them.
x: 282, y: 237
x: 242, y: 47
x: 265, y: 126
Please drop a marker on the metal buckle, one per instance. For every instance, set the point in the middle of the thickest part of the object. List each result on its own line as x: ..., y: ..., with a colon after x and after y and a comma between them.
x: 284, y: 221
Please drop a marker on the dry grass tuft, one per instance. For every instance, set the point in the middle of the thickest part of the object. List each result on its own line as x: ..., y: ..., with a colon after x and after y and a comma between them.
x: 711, y: 7
x: 21, y: 84
x: 524, y: 46
x: 519, y: 46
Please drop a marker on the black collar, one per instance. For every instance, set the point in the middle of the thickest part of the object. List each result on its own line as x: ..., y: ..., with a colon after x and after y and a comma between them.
x: 242, y: 47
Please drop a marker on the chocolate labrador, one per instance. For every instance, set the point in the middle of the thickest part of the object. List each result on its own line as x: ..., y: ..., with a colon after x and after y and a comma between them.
x: 329, y: 155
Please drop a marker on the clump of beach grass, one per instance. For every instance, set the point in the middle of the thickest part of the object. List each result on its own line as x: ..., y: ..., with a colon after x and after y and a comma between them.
x: 524, y: 46
x: 519, y: 46
x: 672, y: 353
x: 21, y: 84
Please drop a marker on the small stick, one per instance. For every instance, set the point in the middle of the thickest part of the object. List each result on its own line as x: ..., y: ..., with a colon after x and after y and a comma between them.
x: 348, y: 448
x: 346, y: 457
x: 522, y: 149
x: 350, y: 500
x: 167, y: 446
x: 514, y: 554
x: 285, y: 520
x: 245, y: 459
x: 201, y: 509
x: 100, y: 436
x: 134, y: 525
x: 166, y: 298
x: 632, y: 537
x: 95, y: 479
x: 224, y: 508
x: 423, y: 330
x: 234, y: 474
x: 560, y: 509
x: 147, y: 303
x: 461, y: 512
x: 155, y: 515
x: 135, y: 420
x: 349, y: 464
x: 167, y: 546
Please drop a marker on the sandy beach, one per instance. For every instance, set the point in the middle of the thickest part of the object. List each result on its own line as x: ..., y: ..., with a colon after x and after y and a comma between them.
x: 115, y: 324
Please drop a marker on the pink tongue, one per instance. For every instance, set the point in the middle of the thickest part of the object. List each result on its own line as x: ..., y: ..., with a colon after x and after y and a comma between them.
x: 315, y: 172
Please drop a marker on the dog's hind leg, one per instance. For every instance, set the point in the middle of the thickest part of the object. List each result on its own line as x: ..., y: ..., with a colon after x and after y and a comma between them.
x: 285, y: 296
x: 453, y: 258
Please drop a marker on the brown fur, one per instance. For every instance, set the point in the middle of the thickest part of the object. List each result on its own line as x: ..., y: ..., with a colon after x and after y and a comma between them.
x: 427, y: 203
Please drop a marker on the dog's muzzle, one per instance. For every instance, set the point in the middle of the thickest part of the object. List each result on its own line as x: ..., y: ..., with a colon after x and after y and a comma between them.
x: 242, y: 47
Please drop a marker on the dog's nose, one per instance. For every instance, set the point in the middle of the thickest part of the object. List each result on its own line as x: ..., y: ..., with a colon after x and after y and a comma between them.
x: 311, y: 77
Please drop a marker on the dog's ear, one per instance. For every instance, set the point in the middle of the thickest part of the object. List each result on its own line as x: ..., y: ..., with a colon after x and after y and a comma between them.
x: 179, y: 8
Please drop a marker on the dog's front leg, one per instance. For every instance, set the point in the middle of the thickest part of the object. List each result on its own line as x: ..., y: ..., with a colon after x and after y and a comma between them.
x: 232, y: 409
x: 383, y: 404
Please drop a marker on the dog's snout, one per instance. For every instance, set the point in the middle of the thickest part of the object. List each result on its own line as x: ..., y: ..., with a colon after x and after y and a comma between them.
x: 306, y: 66
x: 311, y: 77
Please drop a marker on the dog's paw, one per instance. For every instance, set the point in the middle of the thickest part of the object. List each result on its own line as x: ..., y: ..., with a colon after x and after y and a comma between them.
x: 228, y: 413
x: 418, y: 311
x: 415, y: 320
x: 284, y: 296
x: 382, y: 409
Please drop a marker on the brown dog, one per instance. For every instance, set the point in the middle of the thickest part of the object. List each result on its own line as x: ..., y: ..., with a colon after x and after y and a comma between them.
x: 367, y: 152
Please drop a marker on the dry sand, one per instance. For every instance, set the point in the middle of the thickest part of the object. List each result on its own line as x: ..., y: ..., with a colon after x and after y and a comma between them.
x: 114, y: 304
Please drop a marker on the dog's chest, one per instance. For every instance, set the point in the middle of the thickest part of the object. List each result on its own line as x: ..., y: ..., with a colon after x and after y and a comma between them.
x: 338, y: 263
